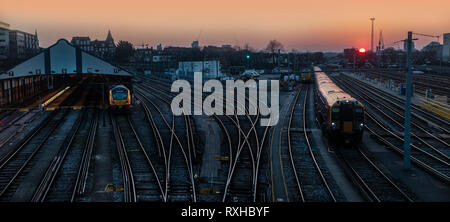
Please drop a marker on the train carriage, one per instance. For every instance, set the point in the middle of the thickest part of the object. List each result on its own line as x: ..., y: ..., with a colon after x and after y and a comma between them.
x: 341, y: 116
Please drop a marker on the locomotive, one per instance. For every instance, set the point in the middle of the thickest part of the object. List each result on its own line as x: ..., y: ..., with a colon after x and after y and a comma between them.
x: 119, y: 97
x: 306, y: 77
x: 341, y: 116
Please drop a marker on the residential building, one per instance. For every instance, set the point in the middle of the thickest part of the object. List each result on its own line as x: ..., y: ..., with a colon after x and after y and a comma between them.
x: 104, y: 48
x: 4, y: 40
x: 101, y: 48
x: 83, y: 42
x: 22, y: 44
x: 162, y: 58
x: 159, y: 48
x: 435, y: 47
x: 144, y: 54
x: 446, y: 48
x: 210, y: 69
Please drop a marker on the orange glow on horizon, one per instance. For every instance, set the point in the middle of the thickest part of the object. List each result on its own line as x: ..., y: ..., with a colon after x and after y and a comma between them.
x: 320, y: 25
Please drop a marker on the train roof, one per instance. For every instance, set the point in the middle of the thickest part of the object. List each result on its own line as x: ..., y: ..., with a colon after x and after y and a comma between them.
x: 118, y: 86
x: 330, y: 91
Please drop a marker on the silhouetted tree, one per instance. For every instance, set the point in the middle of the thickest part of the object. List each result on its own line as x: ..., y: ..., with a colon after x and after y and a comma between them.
x: 124, y: 51
x: 273, y: 48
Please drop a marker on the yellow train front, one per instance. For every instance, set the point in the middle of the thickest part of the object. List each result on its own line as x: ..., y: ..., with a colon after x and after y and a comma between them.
x: 346, y: 121
x: 341, y: 116
x: 306, y: 77
x: 119, y: 97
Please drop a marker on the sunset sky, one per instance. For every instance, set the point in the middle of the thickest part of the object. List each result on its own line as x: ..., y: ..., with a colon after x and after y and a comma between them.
x: 304, y: 25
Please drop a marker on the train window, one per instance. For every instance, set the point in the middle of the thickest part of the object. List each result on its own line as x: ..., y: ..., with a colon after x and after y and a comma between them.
x: 347, y: 112
x: 359, y: 114
x: 120, y: 94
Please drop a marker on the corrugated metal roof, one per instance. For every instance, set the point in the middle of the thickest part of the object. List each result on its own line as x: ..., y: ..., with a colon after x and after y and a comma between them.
x: 64, y: 58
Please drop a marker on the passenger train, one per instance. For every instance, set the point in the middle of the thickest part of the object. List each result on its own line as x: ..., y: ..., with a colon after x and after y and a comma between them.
x: 306, y: 77
x: 119, y: 97
x: 341, y: 116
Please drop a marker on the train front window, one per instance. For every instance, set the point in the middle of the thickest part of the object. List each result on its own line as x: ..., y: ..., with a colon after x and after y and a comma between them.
x: 359, y: 114
x: 347, y: 112
x: 120, y: 94
x: 335, y: 113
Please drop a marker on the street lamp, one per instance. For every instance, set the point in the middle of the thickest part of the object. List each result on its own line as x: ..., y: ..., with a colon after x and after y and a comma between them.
x: 248, y: 59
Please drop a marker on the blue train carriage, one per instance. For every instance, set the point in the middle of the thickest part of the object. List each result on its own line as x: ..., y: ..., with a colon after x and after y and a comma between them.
x: 120, y: 97
x: 341, y: 116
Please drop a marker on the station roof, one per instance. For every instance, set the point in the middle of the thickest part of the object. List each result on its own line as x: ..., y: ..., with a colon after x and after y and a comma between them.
x: 63, y: 58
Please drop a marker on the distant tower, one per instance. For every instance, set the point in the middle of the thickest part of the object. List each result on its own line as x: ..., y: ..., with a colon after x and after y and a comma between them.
x: 380, y: 46
x: 109, y: 39
x: 37, y: 39
x: 371, y: 36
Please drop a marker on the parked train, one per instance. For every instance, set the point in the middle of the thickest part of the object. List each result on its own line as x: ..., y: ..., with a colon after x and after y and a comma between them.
x: 119, y: 97
x: 341, y: 116
x: 306, y: 77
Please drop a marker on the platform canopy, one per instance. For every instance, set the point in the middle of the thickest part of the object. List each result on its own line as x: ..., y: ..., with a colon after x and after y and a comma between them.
x: 63, y: 58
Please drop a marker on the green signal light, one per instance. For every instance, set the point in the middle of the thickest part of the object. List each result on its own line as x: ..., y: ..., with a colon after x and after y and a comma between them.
x: 248, y: 56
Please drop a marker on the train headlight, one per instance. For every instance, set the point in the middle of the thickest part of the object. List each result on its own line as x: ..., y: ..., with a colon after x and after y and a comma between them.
x: 361, y: 126
x: 333, y: 125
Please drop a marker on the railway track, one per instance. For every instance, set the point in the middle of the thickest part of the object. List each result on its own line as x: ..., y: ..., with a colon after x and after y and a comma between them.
x: 147, y: 184
x: 419, y: 115
x: 421, y: 158
x: 311, y: 184
x: 429, y: 142
x: 422, y: 82
x: 13, y: 166
x: 237, y: 186
x: 129, y: 186
x: 372, y: 181
x: 424, y: 154
x: 9, y: 128
x: 65, y: 178
x: 67, y: 174
x: 173, y: 150
x: 54, y: 169
x: 80, y: 184
x: 242, y: 155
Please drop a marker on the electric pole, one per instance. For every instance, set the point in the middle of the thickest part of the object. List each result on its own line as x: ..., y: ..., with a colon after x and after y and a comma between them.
x: 407, y: 133
x: 371, y: 35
